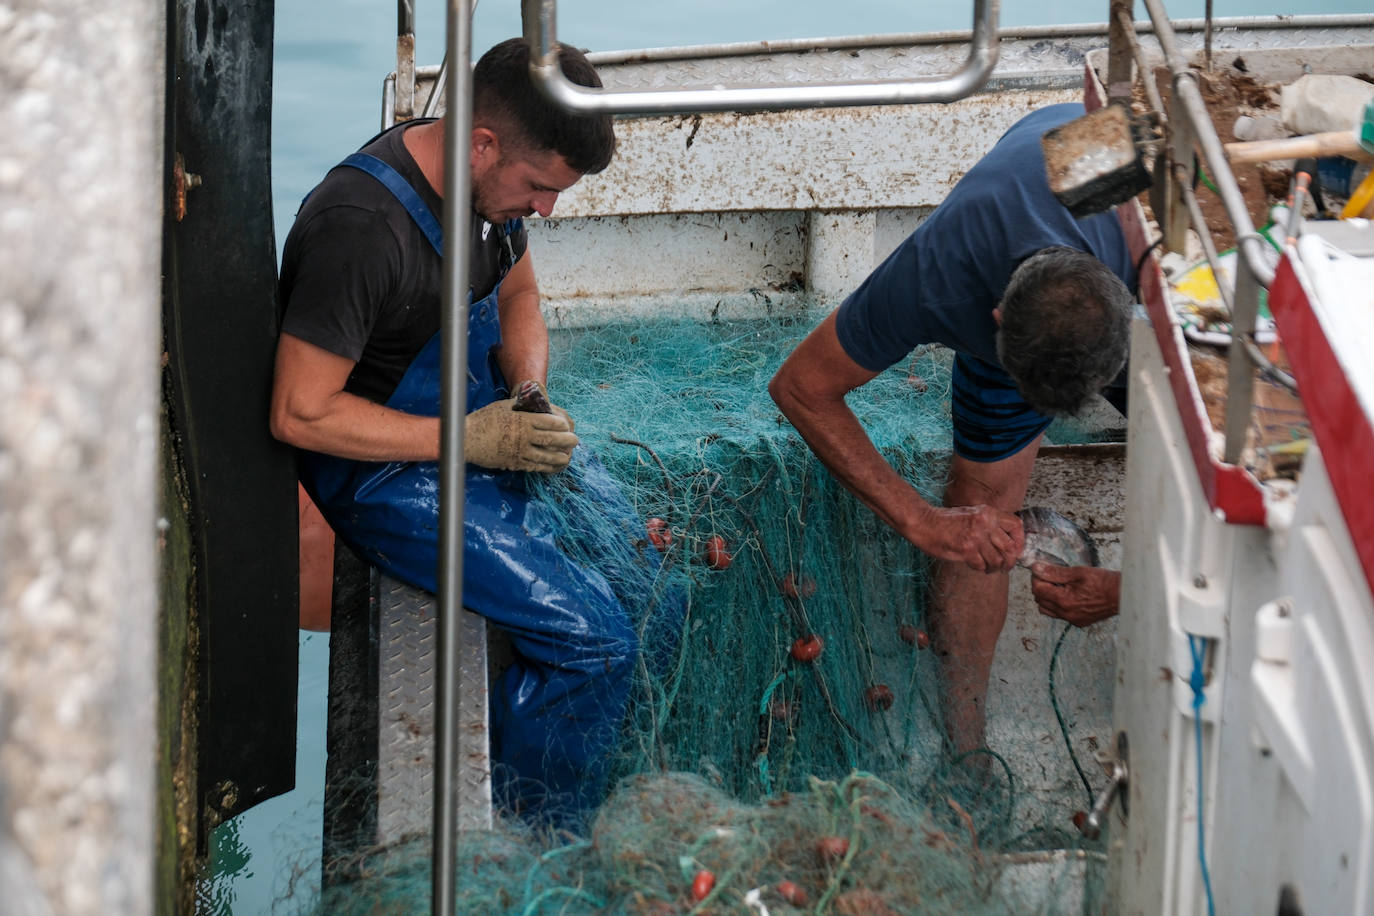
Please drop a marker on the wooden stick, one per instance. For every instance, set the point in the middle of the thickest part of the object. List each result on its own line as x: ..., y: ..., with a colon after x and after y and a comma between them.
x: 1332, y: 143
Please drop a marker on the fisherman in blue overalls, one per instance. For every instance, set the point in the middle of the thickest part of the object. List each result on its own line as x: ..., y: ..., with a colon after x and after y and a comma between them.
x: 357, y: 391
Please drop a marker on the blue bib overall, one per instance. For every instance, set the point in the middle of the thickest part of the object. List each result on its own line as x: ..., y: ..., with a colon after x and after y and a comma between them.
x: 556, y: 712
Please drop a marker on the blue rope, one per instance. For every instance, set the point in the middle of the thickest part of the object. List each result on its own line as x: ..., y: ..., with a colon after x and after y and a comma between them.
x: 1198, y: 646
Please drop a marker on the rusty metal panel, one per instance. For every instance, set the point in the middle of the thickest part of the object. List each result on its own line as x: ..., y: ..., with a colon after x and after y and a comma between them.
x: 852, y: 158
x: 1049, y: 57
x: 1042, y: 63
x: 843, y: 158
x: 1040, y: 58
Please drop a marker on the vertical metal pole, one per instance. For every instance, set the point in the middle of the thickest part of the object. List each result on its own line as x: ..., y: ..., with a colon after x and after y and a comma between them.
x: 1174, y: 221
x: 1252, y: 246
x: 1119, y: 52
x: 1207, y: 37
x: 453, y: 408
x: 405, y: 60
x: 1240, y: 376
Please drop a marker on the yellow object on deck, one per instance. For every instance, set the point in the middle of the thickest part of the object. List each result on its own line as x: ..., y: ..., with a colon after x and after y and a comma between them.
x: 1361, y: 202
x: 1200, y: 284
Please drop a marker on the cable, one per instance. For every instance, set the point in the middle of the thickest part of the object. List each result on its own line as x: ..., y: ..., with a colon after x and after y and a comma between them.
x: 1140, y: 263
x: 1063, y: 727
x: 1004, y: 822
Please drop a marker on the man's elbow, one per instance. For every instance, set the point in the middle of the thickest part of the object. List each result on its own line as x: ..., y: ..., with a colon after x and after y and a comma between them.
x: 783, y: 390
x: 284, y: 425
x: 775, y: 388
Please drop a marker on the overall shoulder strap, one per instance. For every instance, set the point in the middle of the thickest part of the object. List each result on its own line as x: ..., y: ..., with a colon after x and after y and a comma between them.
x: 407, y: 195
x: 506, y: 256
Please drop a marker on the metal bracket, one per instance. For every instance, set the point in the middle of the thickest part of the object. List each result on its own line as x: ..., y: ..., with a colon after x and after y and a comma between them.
x: 182, y: 181
x: 1091, y: 826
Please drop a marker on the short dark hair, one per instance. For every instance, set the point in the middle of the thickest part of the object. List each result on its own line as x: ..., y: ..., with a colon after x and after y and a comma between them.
x: 1065, y: 331
x: 506, y: 101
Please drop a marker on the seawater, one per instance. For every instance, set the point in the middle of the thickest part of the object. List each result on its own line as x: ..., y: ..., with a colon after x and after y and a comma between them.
x: 329, y: 61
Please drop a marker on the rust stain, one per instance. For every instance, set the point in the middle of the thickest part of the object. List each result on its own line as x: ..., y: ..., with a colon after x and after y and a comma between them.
x: 696, y: 126
x: 753, y: 161
x: 182, y: 182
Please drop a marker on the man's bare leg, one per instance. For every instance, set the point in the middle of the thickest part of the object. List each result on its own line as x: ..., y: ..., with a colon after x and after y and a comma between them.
x: 970, y: 607
x: 967, y: 617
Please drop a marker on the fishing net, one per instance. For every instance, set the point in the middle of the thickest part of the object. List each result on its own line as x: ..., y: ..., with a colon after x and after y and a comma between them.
x: 850, y: 847
x: 783, y: 754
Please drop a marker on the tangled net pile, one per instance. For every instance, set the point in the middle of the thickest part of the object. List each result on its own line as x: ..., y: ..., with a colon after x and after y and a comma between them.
x: 784, y: 755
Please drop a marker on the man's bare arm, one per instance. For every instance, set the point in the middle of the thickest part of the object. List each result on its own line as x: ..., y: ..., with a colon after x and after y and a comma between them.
x: 810, y: 388
x: 524, y: 350
x: 311, y: 410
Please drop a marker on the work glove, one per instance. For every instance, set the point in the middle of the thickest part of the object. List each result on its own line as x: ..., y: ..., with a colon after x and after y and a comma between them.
x: 498, y: 436
x: 559, y: 411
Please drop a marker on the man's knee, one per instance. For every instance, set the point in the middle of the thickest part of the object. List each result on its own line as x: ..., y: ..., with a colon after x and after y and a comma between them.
x: 1000, y: 484
x: 607, y: 646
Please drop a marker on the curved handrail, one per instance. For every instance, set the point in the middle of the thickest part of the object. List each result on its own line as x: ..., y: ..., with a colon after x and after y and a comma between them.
x: 540, y: 28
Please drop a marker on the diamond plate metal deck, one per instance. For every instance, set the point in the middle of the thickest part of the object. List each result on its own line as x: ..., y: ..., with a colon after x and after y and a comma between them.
x: 379, y: 776
x: 405, y: 715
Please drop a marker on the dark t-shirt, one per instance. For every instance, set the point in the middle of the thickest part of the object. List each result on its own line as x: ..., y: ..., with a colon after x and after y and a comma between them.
x: 360, y: 279
x: 944, y: 280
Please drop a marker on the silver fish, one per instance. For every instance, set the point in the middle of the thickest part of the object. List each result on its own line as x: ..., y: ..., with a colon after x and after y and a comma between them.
x: 1052, y: 538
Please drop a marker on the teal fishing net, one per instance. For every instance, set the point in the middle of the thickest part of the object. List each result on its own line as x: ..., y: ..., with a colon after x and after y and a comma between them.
x: 788, y: 745
x: 673, y: 843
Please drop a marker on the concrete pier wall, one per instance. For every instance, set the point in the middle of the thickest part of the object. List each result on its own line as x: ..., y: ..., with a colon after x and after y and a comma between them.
x: 81, y: 114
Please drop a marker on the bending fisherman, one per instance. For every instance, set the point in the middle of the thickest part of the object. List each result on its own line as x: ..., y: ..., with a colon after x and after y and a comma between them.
x: 1036, y: 306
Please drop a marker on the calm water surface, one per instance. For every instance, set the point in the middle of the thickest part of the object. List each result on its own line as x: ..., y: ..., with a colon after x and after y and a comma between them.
x: 331, y: 56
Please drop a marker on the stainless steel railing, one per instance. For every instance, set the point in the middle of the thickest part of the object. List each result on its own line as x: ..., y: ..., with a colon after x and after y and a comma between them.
x: 540, y: 30
x: 448, y: 737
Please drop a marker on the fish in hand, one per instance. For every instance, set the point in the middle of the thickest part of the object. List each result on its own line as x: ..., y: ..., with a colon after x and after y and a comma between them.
x: 530, y: 398
x: 1052, y: 538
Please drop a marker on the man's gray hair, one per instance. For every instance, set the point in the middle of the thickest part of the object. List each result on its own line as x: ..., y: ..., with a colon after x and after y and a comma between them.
x: 1065, y: 331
